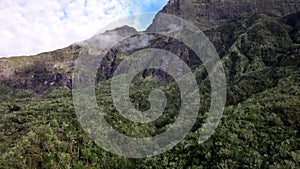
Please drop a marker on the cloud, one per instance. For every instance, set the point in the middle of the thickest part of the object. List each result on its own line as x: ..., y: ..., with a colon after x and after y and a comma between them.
x: 30, y: 27
x: 136, y: 42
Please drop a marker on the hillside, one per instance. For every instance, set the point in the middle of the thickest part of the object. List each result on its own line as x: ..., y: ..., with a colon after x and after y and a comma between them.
x: 259, y: 45
x: 210, y: 13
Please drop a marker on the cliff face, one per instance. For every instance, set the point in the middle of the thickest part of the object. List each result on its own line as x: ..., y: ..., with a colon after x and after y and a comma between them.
x: 245, y: 32
x: 46, y: 71
x: 209, y: 13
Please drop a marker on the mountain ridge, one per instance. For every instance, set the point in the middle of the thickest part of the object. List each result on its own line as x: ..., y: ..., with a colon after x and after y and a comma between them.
x: 207, y: 14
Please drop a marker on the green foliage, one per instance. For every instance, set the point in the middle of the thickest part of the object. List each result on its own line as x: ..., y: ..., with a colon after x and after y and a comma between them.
x: 259, y: 128
x: 261, y: 132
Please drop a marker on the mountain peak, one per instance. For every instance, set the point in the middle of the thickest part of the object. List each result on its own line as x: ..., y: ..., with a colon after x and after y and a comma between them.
x: 123, y: 30
x: 109, y: 36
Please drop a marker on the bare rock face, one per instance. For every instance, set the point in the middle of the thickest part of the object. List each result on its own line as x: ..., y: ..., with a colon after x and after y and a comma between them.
x: 210, y: 13
x: 41, y: 72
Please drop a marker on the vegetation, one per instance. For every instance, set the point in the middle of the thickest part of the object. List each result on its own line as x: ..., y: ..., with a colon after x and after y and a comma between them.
x: 260, y: 132
x: 259, y: 128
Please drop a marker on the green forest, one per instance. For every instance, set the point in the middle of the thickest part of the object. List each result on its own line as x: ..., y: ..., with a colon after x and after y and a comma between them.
x: 260, y: 53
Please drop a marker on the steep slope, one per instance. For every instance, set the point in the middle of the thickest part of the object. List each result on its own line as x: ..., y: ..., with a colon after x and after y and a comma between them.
x: 41, y: 72
x: 51, y: 70
x: 210, y: 13
x: 254, y: 51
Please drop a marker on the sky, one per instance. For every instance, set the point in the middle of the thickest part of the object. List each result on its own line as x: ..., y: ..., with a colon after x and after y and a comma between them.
x: 29, y: 27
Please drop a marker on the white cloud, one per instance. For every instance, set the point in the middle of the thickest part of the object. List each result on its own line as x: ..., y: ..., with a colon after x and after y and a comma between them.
x: 30, y: 26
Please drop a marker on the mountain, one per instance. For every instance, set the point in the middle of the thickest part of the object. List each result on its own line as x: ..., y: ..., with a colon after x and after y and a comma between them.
x: 259, y: 46
x: 41, y: 72
x: 210, y: 13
